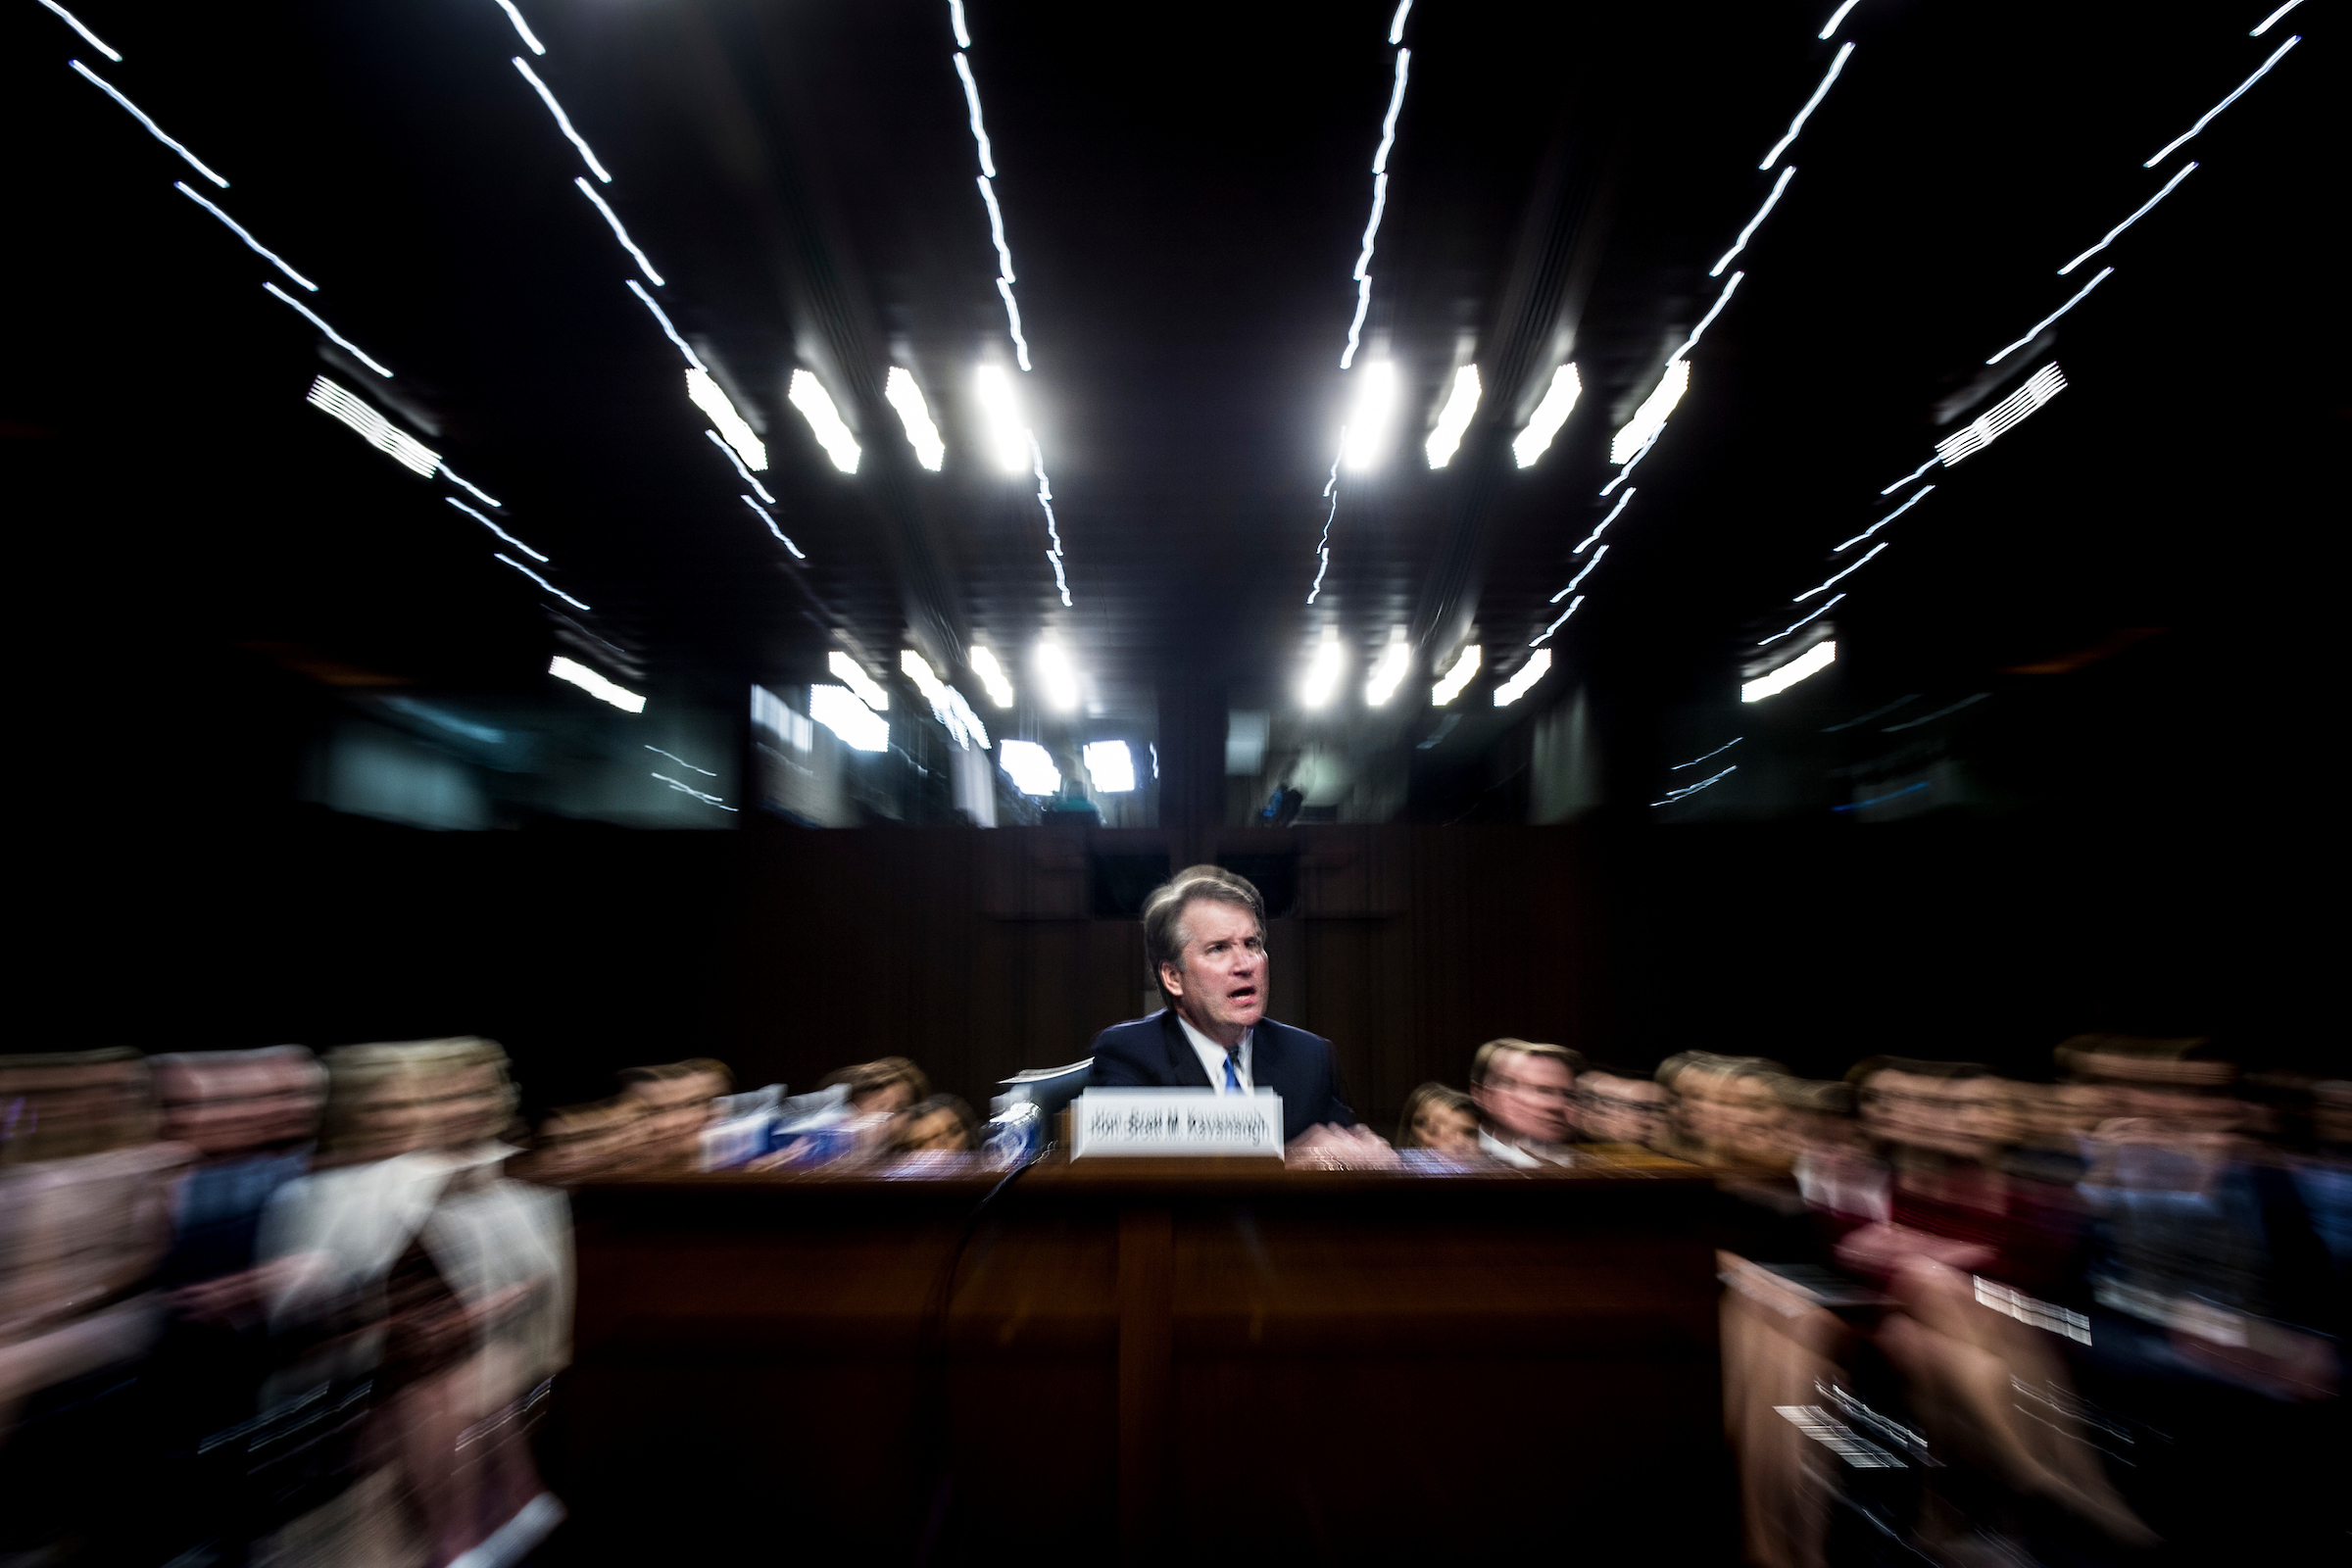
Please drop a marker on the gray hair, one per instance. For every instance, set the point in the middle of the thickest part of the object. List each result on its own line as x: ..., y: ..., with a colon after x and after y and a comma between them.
x: 1164, y: 910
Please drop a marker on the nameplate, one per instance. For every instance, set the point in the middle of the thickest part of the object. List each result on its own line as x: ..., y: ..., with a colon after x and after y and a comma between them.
x: 1175, y: 1121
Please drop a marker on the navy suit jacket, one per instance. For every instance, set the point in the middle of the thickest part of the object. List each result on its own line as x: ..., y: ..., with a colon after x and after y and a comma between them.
x: 1153, y: 1054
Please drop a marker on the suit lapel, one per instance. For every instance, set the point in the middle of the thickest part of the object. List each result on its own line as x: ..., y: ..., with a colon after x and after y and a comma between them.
x: 1184, y: 1063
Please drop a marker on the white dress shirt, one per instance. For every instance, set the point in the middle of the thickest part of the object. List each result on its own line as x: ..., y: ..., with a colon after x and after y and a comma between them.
x: 1214, y: 1056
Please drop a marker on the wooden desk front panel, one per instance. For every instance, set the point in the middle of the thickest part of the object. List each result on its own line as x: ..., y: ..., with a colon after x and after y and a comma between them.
x: 1328, y: 1364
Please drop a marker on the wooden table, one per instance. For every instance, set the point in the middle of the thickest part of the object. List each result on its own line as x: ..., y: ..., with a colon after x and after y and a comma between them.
x: 1146, y: 1357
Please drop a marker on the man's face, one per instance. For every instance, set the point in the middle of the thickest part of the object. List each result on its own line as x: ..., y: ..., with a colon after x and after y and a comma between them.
x: 1621, y: 1110
x: 1220, y: 981
x: 1528, y: 1096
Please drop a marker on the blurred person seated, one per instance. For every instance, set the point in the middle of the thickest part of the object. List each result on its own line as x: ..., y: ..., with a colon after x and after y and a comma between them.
x: 1204, y: 941
x: 1525, y: 1092
x: 85, y: 1193
x: 939, y: 1125
x: 1615, y: 1108
x: 252, y: 1117
x: 677, y: 1098
x: 577, y: 1142
x: 1441, y: 1119
x: 1732, y: 1113
x: 883, y: 1086
x: 425, y: 1299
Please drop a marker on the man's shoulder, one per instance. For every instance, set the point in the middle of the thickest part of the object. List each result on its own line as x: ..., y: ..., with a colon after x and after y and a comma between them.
x: 1285, y: 1039
x: 1146, y: 1030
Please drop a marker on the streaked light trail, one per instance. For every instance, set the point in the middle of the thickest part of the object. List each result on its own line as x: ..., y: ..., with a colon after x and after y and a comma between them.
x: 1395, y: 661
x: 473, y: 490
x: 1523, y: 680
x: 1623, y: 501
x: 1988, y: 428
x: 1708, y: 319
x: 1908, y: 478
x: 1695, y: 760
x: 1545, y: 636
x: 2109, y: 237
x: 2260, y: 28
x: 531, y: 42
x: 988, y: 194
x: 619, y: 233
x: 381, y: 433
x: 1803, y: 115
x: 1331, y: 493
x: 1876, y: 712
x: 1847, y: 572
x: 1581, y: 575
x: 1445, y: 439
x: 914, y: 414
x: 548, y: 586
x: 1830, y: 28
x: 991, y: 675
x: 1406, y: 7
x: 494, y: 528
x: 781, y: 537
x: 1795, y: 625
x: 1380, y: 201
x: 1884, y: 522
x: 1940, y: 712
x: 564, y: 121
x: 1045, y: 499
x: 240, y: 229
x: 749, y: 477
x: 692, y: 360
x: 333, y: 336
x: 1457, y: 675
x: 869, y: 691
x: 99, y: 44
x: 684, y: 788
x: 681, y: 761
x: 140, y: 115
x: 1672, y: 796
x: 1778, y: 185
x: 2206, y: 119
x: 1651, y: 418
x: 2105, y: 273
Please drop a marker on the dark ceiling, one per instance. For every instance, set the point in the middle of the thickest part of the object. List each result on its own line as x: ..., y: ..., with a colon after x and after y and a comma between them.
x: 1185, y: 192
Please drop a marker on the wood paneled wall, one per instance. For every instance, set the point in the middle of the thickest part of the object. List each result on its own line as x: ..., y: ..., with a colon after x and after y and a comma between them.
x: 789, y: 952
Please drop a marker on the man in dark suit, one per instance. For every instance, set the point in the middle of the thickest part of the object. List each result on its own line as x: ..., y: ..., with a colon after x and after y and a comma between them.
x: 1205, y: 938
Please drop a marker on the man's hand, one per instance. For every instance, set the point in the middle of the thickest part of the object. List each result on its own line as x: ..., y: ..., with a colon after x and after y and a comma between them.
x: 1324, y: 1147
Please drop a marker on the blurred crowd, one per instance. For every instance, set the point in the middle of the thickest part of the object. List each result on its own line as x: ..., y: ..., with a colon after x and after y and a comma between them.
x: 1972, y: 1319
x: 309, y: 1309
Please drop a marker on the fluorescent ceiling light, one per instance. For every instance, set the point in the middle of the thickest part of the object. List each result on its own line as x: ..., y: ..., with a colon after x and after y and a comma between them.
x: 595, y: 685
x: 1813, y: 660
x: 1362, y: 442
x: 991, y: 675
x: 1454, y: 419
x: 376, y: 431
x: 807, y: 394
x: 1058, y: 678
x: 1988, y: 428
x: 1111, y: 765
x: 1389, y: 673
x: 859, y: 727
x: 1651, y: 418
x: 706, y: 395
x: 1523, y: 680
x: 1559, y: 401
x: 1030, y: 767
x: 1008, y: 436
x: 1465, y: 665
x: 947, y: 706
x: 901, y: 393
x: 852, y: 676
x: 140, y: 115
x: 1323, y: 671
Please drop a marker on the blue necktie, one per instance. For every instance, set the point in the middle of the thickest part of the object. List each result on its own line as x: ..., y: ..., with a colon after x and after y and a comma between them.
x: 1233, y: 1079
